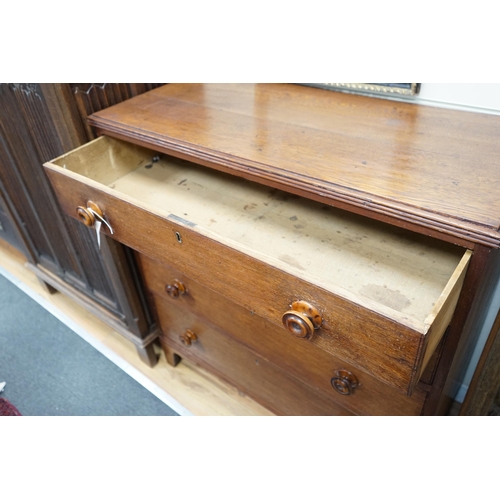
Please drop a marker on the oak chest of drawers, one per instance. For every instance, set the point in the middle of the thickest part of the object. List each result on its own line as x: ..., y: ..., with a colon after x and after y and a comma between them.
x: 320, y: 251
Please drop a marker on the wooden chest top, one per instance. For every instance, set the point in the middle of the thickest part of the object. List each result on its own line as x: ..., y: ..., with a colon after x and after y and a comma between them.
x: 432, y: 170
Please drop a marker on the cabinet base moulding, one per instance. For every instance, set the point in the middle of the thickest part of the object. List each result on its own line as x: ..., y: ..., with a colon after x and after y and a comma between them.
x: 53, y: 284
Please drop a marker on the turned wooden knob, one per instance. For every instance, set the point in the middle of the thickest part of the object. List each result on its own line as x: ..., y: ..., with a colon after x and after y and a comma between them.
x: 302, y: 319
x: 188, y: 338
x: 85, y: 216
x: 298, y: 324
x: 175, y: 289
x: 344, y: 382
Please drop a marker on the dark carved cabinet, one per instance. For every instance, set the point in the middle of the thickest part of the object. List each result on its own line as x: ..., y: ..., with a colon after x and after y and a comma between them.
x: 37, y: 123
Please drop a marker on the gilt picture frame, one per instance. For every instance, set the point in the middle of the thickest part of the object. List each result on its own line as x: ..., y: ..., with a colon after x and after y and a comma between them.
x: 395, y: 89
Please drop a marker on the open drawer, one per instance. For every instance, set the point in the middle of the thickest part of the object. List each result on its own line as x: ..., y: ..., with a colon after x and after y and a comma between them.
x: 383, y: 296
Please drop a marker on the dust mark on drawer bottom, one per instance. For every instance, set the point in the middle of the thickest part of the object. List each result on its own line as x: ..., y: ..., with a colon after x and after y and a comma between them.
x: 383, y: 295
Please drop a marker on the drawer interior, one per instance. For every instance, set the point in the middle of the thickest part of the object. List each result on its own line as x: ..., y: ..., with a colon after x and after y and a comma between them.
x: 400, y: 274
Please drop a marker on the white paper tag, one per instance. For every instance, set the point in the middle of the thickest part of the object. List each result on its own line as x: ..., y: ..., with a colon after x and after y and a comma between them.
x: 98, y: 232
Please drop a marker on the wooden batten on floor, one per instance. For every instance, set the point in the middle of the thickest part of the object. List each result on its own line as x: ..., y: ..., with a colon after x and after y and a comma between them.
x: 187, y: 389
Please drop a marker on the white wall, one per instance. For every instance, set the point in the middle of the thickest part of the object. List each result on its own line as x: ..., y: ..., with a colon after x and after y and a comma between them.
x: 480, y: 97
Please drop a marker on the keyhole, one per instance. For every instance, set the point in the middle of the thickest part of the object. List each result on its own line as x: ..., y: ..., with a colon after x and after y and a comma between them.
x: 178, y: 237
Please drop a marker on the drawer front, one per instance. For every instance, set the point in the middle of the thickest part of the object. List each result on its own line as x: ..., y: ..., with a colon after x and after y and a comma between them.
x: 303, y: 360
x: 389, y: 349
x: 249, y: 372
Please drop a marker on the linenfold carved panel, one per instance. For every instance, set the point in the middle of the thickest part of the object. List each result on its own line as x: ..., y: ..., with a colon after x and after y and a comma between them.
x: 92, y: 97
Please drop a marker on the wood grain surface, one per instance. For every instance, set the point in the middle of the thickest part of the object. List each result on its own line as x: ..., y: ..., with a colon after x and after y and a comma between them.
x: 263, y: 381
x: 395, y: 272
x: 389, y: 349
x: 303, y: 360
x: 429, y: 168
x: 355, y: 272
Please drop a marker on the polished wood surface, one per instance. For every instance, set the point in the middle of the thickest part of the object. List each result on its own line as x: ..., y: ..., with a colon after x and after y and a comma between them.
x: 411, y: 166
x: 394, y: 272
x: 398, y: 342
x: 387, y: 349
x: 428, y: 168
x: 303, y: 360
x: 251, y: 373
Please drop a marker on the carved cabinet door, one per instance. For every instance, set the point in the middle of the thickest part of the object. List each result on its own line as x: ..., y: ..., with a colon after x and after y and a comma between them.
x: 39, y: 122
